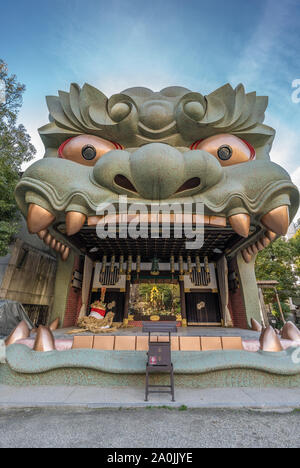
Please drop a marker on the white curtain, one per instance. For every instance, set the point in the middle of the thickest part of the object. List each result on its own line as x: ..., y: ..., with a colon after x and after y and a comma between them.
x: 222, y: 270
x: 86, y: 284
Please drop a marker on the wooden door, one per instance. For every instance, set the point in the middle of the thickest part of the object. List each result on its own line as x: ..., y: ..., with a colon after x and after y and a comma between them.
x: 202, y: 308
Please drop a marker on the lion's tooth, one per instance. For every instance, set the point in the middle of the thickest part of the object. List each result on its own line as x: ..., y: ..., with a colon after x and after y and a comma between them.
x: 19, y: 333
x: 265, y: 241
x: 271, y: 235
x: 255, y: 325
x: 38, y: 218
x: 260, y: 246
x: 47, y: 239
x: 54, y: 325
x: 290, y: 332
x: 53, y: 243
x: 246, y: 256
x: 269, y: 341
x: 240, y: 223
x: 277, y: 220
x: 42, y: 233
x: 254, y: 249
x: 44, y: 340
x: 58, y: 246
x: 65, y: 253
x: 74, y: 222
x: 62, y: 248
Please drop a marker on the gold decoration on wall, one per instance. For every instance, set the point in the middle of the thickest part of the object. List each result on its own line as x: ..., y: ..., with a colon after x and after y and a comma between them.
x: 112, y: 263
x: 181, y: 264
x: 172, y: 264
x: 104, y: 260
x: 189, y: 264
x: 198, y: 264
x: 129, y: 264
x: 121, y: 264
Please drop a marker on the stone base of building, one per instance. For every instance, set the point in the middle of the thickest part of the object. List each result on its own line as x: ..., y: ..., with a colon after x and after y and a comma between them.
x: 208, y: 369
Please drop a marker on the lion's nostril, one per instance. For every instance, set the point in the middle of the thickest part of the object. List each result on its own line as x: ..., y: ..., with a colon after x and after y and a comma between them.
x: 189, y: 184
x: 123, y: 182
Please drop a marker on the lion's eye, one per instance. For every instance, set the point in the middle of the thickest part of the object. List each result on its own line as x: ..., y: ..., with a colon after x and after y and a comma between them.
x: 228, y: 149
x: 86, y: 149
x: 225, y: 152
x: 89, y: 152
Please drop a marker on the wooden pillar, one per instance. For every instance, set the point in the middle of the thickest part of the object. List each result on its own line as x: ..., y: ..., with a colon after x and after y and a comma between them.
x: 279, y: 306
x: 182, y: 301
x: 126, y: 302
x: 264, y: 314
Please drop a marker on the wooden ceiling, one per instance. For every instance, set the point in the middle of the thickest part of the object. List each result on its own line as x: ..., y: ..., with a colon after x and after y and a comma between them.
x: 221, y: 238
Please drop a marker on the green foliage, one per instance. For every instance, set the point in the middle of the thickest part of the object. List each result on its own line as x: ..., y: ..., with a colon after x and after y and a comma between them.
x: 280, y: 261
x: 15, y: 148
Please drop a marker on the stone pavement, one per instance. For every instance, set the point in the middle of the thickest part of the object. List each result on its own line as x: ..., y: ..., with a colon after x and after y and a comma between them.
x: 129, y: 397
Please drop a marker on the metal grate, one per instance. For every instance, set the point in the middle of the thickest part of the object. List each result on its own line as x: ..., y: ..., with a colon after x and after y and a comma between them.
x: 108, y: 277
x: 200, y: 278
x: 38, y: 314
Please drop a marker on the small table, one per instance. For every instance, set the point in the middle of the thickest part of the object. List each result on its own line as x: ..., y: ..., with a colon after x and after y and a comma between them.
x: 159, y: 356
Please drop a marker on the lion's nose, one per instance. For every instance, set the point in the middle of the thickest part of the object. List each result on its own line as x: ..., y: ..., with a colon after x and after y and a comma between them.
x: 157, y: 170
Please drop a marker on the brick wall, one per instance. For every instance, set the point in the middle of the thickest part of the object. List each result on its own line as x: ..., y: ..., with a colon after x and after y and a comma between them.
x: 236, y: 303
x: 73, y: 302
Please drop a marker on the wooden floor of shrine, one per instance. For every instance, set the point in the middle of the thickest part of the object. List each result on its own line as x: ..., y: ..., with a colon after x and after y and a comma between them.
x: 62, y: 333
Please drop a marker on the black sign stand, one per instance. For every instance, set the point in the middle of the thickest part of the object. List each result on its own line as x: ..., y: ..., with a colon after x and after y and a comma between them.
x: 159, y: 356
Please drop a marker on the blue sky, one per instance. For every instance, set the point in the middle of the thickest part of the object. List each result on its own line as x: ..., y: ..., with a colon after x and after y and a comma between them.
x: 121, y: 43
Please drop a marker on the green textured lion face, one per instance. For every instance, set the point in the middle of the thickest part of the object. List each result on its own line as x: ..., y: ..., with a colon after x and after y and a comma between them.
x: 174, y: 145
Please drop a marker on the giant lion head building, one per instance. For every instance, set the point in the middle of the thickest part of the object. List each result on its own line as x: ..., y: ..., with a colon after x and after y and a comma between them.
x: 175, y: 147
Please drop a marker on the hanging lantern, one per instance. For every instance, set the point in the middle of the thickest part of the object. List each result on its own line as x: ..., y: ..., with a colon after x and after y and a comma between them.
x: 198, y: 264
x: 172, y: 264
x: 155, y: 267
x: 112, y: 263
x: 129, y: 264
x: 189, y: 264
x: 181, y: 265
x: 206, y: 265
x: 138, y: 264
x: 104, y: 260
x: 121, y: 261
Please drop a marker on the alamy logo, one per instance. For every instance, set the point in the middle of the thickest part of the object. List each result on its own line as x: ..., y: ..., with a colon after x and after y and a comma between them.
x: 138, y: 220
x: 2, y: 92
x: 296, y: 93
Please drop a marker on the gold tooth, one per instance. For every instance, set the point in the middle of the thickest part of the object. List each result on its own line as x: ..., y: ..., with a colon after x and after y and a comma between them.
x: 58, y: 246
x: 42, y: 233
x: 38, y: 218
x: 277, y: 220
x: 271, y: 235
x: 240, y: 223
x: 54, y: 325
x: 47, y: 239
x: 19, y: 333
x: 269, y: 341
x: 65, y: 254
x: 44, y: 340
x: 255, y: 325
x: 290, y: 332
x: 259, y: 245
x: 254, y: 249
x: 246, y: 256
x: 53, y: 243
x: 74, y: 222
x: 265, y: 241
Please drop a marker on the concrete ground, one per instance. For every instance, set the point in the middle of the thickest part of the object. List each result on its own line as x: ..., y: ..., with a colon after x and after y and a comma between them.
x: 147, y: 427
x: 133, y: 397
